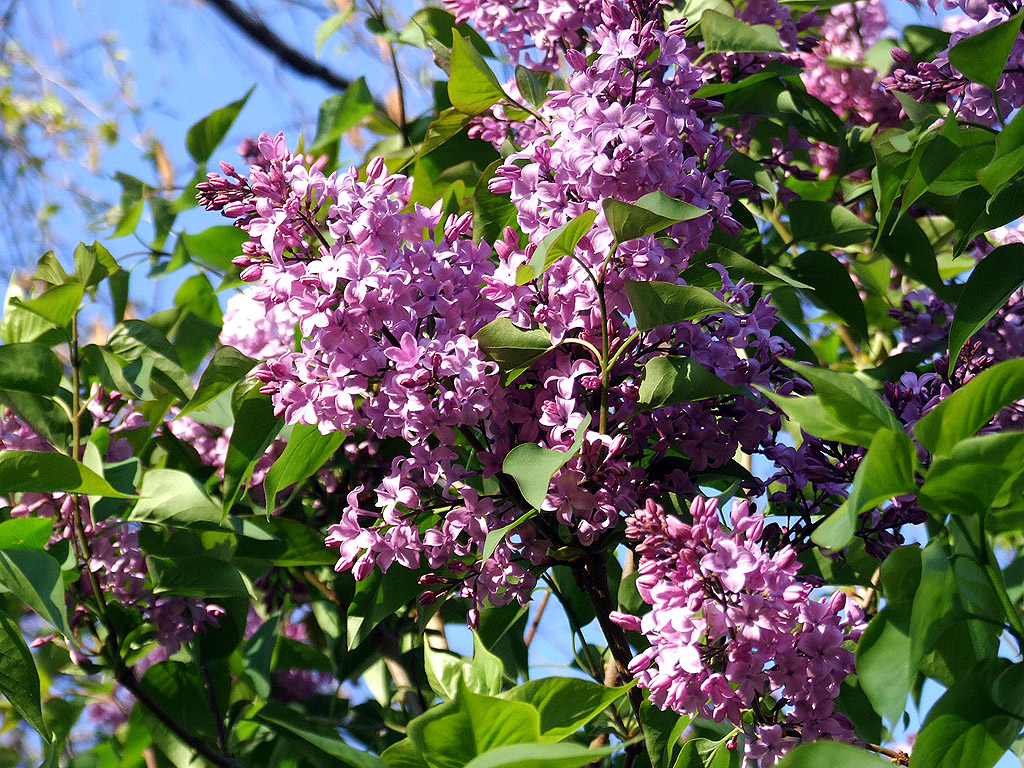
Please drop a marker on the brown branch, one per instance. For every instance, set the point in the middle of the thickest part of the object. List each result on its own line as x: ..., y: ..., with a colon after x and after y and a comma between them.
x: 536, y: 619
x: 591, y: 576
x: 128, y: 679
x: 249, y: 24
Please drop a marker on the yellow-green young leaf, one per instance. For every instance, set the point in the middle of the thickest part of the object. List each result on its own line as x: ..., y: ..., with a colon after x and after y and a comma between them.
x: 831, y: 754
x: 26, y: 533
x: 512, y: 347
x: 540, y: 755
x: 532, y: 467
x: 204, y: 136
x: 329, y: 26
x: 565, y: 704
x: 561, y: 242
x: 172, y: 497
x: 452, y: 734
x: 226, y: 369
x: 723, y: 33
x: 306, y: 452
x: 655, y: 304
x: 93, y: 264
x: 972, y: 477
x: 672, y: 380
x: 473, y: 87
x: 650, y: 214
x: 340, y: 113
x: 19, y: 680
x: 215, y: 246
x: 496, y: 536
x: 447, y: 671
x: 46, y: 472
x: 57, y: 305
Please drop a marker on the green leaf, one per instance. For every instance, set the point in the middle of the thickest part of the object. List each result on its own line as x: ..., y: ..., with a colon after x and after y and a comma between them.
x: 329, y: 26
x: 1009, y: 157
x: 171, y: 497
x: 532, y: 467
x: 376, y: 598
x: 291, y: 543
x: 100, y: 364
x: 452, y: 734
x: 823, y: 223
x: 989, y: 286
x: 204, y: 136
x: 57, y: 305
x: 512, y: 347
x: 541, y: 756
x: 472, y: 87
x: 29, y: 368
x: 883, y: 661
x: 704, y: 753
x: 19, y: 680
x: 195, y: 576
x: 650, y: 214
x: 340, y: 113
x: 288, y: 722
x: 497, y: 535
x: 982, y: 57
x: 136, y: 340
x: 449, y: 124
x: 215, y: 246
x: 662, y: 731
x: 843, y: 408
x: 558, y: 243
x: 533, y: 84
x: 671, y: 380
x: 933, y: 600
x: 38, y: 472
x: 966, y: 727
x: 259, y: 657
x: 831, y: 754
x: 971, y: 478
x: 26, y: 533
x: 226, y: 369
x: 256, y: 426
x: 834, y: 289
x: 448, y: 672
x: 971, y: 407
x: 34, y: 578
x: 93, y: 264
x: 46, y: 417
x: 723, y: 33
x: 306, y: 452
x: 49, y: 270
x: 656, y: 304
x: 565, y: 704
x: 886, y: 471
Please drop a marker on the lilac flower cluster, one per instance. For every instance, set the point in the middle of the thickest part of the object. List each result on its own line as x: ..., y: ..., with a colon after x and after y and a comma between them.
x: 531, y: 28
x: 735, y: 635
x: 388, y: 299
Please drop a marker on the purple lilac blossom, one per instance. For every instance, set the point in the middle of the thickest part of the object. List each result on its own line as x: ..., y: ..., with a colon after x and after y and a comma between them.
x: 734, y: 631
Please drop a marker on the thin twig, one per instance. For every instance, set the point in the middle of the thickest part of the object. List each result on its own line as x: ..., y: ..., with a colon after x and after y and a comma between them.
x: 532, y: 630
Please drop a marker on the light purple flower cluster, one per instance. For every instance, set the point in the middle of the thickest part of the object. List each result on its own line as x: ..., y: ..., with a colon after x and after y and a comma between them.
x: 256, y: 330
x: 735, y: 634
x: 388, y: 300
x: 534, y: 32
